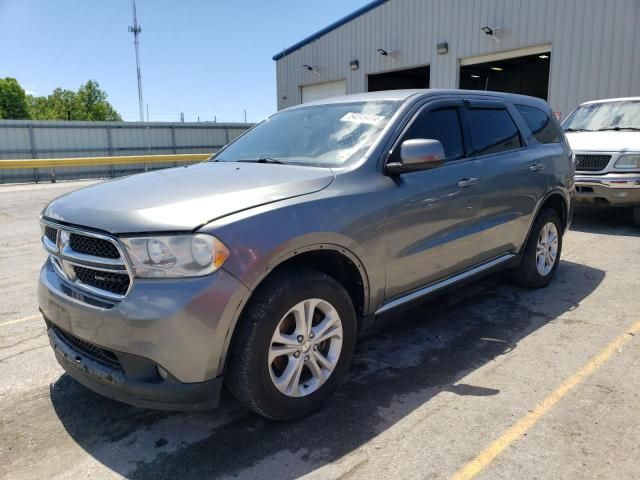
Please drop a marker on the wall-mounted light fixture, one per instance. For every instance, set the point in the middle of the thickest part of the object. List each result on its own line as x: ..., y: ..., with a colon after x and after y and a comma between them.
x: 354, y: 64
x: 311, y: 69
x: 491, y: 32
x: 387, y: 53
x: 443, y: 48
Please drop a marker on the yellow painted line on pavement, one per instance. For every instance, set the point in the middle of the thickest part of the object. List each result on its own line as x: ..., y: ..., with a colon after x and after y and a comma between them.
x: 25, y: 319
x: 488, y: 455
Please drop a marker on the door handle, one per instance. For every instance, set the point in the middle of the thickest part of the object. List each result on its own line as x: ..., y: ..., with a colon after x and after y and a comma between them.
x: 467, y: 182
x: 536, y: 167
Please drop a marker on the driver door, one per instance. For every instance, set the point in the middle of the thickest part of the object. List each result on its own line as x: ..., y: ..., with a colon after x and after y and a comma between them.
x: 432, y: 227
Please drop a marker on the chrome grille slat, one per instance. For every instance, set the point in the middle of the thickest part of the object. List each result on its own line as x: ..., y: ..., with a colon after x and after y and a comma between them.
x: 106, y: 276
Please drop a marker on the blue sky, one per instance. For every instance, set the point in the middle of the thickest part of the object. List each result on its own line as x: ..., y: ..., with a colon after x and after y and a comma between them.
x: 199, y: 57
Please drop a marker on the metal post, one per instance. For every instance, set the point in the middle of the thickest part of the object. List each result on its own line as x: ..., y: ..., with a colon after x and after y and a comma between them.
x: 173, y: 138
x: 136, y: 29
x: 110, y: 149
x: 32, y: 144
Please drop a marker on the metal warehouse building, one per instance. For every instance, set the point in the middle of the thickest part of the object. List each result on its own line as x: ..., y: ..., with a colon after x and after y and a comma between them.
x: 565, y: 51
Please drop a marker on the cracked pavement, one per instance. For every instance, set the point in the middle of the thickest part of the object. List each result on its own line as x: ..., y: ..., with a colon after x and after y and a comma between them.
x: 430, y: 390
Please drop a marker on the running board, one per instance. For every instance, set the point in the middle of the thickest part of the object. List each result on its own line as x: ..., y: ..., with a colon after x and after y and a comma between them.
x: 444, y: 283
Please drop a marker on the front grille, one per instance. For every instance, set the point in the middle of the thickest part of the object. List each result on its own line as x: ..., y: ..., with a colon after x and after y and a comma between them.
x: 89, y: 261
x: 592, y: 163
x: 97, y: 353
x: 97, y: 247
x: 51, y: 233
x: 117, y: 283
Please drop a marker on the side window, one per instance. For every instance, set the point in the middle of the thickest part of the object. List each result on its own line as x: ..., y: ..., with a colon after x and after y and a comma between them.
x: 493, y: 131
x: 443, y: 125
x: 540, y: 124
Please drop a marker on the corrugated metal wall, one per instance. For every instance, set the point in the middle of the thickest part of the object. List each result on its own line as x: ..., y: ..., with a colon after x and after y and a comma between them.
x: 56, y: 139
x: 595, y: 45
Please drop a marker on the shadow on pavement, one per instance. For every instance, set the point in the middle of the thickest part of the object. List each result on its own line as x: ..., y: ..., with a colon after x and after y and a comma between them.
x: 418, y: 354
x: 605, y: 221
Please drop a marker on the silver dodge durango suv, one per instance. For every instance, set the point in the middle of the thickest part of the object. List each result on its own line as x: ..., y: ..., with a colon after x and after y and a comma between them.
x: 259, y: 268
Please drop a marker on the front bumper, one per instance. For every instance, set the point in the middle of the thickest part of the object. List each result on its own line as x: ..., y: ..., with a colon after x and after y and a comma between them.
x: 112, y: 381
x: 608, y: 189
x: 179, y: 326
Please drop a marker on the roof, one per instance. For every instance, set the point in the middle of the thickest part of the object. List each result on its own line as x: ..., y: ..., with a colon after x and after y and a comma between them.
x: 611, y: 100
x: 402, y: 95
x: 297, y: 46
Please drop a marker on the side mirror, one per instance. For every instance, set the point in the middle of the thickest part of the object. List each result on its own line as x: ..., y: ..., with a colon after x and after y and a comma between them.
x: 418, y: 154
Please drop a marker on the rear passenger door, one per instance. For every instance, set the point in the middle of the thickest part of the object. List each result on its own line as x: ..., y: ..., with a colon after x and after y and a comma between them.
x: 513, y: 176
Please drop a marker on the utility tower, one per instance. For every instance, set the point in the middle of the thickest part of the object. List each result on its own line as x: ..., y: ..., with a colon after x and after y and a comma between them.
x: 136, y: 29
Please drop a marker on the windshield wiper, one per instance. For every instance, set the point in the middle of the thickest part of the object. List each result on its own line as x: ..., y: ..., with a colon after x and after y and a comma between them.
x: 618, y: 129
x: 263, y: 160
x: 577, y: 130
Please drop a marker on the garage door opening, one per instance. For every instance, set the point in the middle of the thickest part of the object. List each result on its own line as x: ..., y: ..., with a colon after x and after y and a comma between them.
x: 399, y: 79
x: 527, y: 75
x: 319, y: 91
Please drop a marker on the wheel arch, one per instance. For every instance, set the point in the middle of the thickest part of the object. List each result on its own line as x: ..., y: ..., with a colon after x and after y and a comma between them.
x: 337, y: 261
x: 556, y: 200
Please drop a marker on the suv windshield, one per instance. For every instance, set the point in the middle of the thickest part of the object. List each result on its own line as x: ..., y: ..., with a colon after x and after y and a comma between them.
x: 621, y: 115
x: 319, y: 135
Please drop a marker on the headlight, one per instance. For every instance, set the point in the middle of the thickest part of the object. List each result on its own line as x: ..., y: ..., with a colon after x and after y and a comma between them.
x: 175, y: 255
x: 628, y: 162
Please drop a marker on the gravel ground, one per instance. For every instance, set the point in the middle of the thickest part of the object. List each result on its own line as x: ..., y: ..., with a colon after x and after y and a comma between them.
x: 428, y: 393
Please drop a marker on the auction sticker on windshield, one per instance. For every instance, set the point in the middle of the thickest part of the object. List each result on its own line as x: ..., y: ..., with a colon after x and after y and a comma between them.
x: 370, y: 118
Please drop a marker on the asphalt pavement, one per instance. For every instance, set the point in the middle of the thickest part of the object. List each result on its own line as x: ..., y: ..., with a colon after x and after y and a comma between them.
x: 489, y: 381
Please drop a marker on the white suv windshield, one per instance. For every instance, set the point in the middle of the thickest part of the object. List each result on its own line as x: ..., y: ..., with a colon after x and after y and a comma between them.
x: 319, y: 135
x: 620, y: 115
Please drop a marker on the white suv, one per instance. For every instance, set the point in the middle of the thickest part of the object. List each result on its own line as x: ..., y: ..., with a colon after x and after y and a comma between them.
x: 605, y: 137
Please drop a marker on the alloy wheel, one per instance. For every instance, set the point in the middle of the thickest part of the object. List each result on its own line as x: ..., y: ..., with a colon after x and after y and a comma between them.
x: 305, y: 347
x: 547, y: 249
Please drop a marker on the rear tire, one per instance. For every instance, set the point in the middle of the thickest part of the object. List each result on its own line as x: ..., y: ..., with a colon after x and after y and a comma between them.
x: 293, y: 345
x: 541, y: 254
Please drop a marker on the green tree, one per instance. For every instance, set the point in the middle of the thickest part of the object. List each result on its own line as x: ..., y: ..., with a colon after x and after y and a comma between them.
x: 88, y: 103
x: 63, y: 105
x: 93, y: 104
x: 13, y: 100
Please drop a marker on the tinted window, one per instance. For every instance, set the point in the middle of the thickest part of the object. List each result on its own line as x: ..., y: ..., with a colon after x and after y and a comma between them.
x: 493, y: 131
x: 442, y: 125
x: 540, y: 124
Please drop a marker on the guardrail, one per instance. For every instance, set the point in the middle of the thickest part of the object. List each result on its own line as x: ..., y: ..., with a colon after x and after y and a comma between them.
x: 53, y: 163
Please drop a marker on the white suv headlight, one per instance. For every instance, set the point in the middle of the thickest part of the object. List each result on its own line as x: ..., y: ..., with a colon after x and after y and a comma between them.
x: 170, y: 256
x: 628, y: 162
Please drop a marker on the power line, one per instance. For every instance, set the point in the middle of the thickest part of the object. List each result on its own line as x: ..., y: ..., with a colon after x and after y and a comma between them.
x: 136, y: 29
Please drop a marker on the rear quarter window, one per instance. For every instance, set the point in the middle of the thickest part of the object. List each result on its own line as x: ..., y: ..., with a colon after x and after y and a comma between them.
x: 540, y: 124
x: 493, y: 131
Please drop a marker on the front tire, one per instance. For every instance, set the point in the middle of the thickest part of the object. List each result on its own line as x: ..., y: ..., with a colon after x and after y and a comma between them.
x: 541, y: 254
x: 293, y: 345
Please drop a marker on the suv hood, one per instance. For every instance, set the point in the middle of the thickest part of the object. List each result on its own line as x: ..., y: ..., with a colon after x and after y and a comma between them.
x: 609, y: 141
x: 184, y: 198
